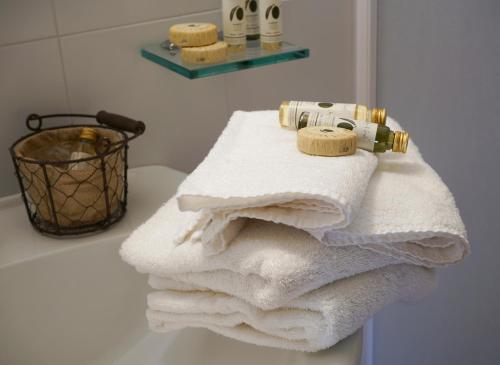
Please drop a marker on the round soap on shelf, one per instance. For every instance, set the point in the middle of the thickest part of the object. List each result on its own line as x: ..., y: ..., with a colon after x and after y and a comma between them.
x: 213, y: 53
x: 193, y: 34
x: 326, y: 141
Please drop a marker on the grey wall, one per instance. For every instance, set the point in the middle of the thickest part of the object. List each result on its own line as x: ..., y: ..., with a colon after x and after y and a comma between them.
x: 83, y: 56
x: 439, y: 74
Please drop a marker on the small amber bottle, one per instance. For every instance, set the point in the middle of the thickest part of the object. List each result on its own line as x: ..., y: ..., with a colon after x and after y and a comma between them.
x: 86, y: 147
x: 290, y: 110
x: 371, y: 136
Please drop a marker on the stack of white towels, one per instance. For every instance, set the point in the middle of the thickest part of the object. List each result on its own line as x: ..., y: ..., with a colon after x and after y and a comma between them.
x: 274, y: 247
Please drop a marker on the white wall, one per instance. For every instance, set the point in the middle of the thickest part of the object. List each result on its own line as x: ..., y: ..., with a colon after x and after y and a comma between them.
x: 83, y: 56
x: 439, y: 74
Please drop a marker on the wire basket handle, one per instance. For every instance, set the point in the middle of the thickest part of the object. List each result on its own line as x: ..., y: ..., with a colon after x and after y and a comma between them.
x: 120, y: 122
x: 114, y: 121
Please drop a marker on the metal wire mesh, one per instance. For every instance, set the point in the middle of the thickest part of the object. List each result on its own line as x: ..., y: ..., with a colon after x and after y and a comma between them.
x: 73, y: 196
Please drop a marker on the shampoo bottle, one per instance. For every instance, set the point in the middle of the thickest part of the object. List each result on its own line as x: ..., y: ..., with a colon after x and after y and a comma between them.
x: 252, y: 17
x: 234, y: 24
x: 271, y: 32
x: 291, y: 110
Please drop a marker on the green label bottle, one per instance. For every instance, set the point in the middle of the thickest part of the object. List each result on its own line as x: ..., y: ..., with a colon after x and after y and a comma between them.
x: 291, y: 110
x: 370, y: 136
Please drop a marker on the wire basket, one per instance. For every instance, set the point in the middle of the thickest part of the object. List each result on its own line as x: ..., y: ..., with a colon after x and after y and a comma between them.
x: 65, y: 196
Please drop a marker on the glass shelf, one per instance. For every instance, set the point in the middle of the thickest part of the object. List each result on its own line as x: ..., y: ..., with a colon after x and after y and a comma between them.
x: 253, y: 56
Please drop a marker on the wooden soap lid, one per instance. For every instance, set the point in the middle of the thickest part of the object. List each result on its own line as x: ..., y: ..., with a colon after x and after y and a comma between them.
x: 326, y: 141
x: 193, y: 34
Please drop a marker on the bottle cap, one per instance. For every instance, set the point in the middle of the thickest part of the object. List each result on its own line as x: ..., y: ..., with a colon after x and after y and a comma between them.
x: 326, y: 141
x: 400, y: 143
x: 379, y: 115
x: 88, y: 133
x: 284, y: 113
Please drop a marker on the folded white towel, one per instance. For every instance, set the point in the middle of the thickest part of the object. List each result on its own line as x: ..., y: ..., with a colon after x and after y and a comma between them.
x: 256, y: 171
x: 408, y: 212
x: 267, y: 264
x: 312, y: 322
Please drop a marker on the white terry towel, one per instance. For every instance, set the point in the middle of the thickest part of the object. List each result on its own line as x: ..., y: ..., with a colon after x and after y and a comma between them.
x: 255, y: 170
x: 407, y: 212
x: 267, y: 264
x: 312, y: 322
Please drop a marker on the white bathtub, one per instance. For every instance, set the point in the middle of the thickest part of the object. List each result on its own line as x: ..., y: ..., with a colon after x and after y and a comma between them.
x: 75, y: 302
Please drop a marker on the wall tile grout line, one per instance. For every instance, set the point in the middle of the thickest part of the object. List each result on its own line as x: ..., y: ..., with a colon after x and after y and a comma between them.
x: 95, y: 30
x: 19, y: 43
x: 144, y: 22
x: 61, y: 57
x: 226, y: 97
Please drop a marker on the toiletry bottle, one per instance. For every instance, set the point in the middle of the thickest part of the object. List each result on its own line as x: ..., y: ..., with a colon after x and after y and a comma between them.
x: 270, y: 22
x: 252, y: 18
x: 371, y: 136
x: 290, y: 110
x: 85, y: 148
x: 234, y: 24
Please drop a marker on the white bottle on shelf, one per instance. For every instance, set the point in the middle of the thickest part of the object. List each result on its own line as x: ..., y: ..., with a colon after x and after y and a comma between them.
x: 252, y: 16
x: 270, y: 21
x: 234, y: 24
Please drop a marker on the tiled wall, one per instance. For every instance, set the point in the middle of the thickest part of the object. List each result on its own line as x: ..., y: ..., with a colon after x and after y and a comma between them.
x: 83, y: 56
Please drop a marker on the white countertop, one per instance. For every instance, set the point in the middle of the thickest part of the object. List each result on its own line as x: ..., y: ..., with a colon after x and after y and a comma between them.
x: 200, y: 346
x: 149, y: 187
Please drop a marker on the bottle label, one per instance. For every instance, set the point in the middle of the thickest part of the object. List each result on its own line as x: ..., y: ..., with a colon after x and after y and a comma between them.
x: 234, y: 23
x: 270, y: 14
x: 365, y: 131
x: 296, y: 108
x: 252, y: 16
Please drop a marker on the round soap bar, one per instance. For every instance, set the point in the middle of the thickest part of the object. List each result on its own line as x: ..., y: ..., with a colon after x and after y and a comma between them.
x: 193, y: 34
x: 205, y: 55
x: 326, y: 141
